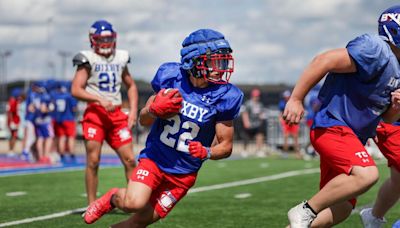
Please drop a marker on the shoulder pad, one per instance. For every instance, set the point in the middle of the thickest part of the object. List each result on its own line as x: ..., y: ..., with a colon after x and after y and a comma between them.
x: 80, y: 59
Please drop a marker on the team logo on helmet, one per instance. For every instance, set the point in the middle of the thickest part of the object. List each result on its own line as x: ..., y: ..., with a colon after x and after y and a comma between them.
x: 389, y: 25
x: 102, y: 38
x: 207, y: 54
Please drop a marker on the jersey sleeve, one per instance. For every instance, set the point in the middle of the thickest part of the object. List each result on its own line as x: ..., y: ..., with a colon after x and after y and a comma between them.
x: 124, y: 57
x: 165, y: 76
x: 229, y: 108
x: 369, y: 54
x: 80, y: 59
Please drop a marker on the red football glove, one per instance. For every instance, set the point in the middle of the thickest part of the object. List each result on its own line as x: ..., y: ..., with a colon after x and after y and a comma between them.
x: 197, y: 150
x: 166, y: 104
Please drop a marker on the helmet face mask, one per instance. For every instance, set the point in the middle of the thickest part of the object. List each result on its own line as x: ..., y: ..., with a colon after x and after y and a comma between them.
x: 103, y: 38
x: 216, y: 68
x: 389, y: 25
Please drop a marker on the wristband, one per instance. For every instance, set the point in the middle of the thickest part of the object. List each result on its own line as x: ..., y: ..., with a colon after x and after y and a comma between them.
x: 208, y: 149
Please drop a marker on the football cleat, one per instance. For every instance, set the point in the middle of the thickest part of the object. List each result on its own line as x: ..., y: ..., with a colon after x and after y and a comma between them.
x: 370, y: 221
x: 300, y: 216
x: 99, y: 207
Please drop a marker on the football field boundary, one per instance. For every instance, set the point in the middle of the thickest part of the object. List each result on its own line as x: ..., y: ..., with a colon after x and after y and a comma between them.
x: 194, y: 190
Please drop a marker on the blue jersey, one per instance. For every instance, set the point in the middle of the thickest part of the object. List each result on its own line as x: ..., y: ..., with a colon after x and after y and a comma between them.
x: 64, y: 106
x: 357, y: 100
x: 202, y: 108
x: 32, y: 98
x: 43, y: 118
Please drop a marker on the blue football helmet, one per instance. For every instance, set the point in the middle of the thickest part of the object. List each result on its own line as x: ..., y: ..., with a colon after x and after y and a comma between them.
x: 206, y: 54
x: 389, y: 25
x: 103, y: 38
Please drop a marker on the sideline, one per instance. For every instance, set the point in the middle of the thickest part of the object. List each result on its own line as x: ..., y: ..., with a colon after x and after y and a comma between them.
x: 194, y: 190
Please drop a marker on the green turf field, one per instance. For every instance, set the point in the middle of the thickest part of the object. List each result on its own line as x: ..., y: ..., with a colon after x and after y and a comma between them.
x: 262, y: 203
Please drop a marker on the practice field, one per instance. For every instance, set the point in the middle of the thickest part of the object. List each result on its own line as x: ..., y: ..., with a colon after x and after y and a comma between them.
x: 228, y: 193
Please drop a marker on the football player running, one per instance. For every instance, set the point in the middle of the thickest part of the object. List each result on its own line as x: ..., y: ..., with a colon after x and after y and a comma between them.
x: 387, y: 139
x: 177, y: 146
x: 361, y: 88
x: 98, y: 78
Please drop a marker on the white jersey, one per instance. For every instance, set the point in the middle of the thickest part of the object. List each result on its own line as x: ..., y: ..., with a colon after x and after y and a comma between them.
x: 106, y: 74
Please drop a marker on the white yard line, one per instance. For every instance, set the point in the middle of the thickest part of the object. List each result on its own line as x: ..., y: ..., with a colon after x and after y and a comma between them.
x: 44, y: 217
x: 194, y: 190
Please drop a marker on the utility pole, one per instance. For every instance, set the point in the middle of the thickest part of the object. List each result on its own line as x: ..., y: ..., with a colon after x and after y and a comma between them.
x: 64, y: 56
x: 3, y: 61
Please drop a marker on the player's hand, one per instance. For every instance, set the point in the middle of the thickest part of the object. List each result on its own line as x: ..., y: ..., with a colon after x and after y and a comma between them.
x: 132, y: 118
x: 395, y: 99
x: 197, y: 150
x: 31, y: 108
x: 165, y: 104
x: 293, y: 112
x: 107, y: 105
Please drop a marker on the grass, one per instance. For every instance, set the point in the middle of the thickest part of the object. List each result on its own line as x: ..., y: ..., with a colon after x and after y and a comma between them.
x: 266, y: 206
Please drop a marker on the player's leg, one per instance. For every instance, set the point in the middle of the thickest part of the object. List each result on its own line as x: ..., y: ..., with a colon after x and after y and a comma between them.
x: 163, y: 199
x: 61, y: 140
x: 344, y: 187
x: 125, y: 153
x: 93, y: 151
x: 40, y: 148
x: 93, y: 133
x: 134, y: 198
x: 13, y: 140
x: 70, y: 148
x: 387, y: 140
x: 71, y: 134
x: 120, y: 138
x: 388, y: 194
x: 333, y: 215
x: 28, y: 140
x: 346, y: 172
x: 48, y: 143
x: 140, y: 219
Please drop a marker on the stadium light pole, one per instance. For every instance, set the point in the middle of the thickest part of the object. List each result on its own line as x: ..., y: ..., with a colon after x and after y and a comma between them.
x: 3, y: 57
x: 64, y: 55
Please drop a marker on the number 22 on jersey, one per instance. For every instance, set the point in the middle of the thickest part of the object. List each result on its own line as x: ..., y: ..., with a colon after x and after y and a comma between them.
x: 168, y: 135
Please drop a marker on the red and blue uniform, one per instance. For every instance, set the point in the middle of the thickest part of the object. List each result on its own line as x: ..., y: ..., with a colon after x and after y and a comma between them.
x: 202, y: 108
x: 13, y: 118
x: 166, y: 165
x: 352, y: 105
x: 43, y: 120
x: 64, y: 114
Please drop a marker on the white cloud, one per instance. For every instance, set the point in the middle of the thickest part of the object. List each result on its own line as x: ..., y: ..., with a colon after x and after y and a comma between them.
x: 272, y: 40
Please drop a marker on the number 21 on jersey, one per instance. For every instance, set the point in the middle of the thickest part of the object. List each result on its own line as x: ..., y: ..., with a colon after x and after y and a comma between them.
x: 107, y: 82
x: 167, y: 136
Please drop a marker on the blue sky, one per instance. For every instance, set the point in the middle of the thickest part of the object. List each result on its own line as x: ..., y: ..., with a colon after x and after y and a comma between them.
x: 273, y: 40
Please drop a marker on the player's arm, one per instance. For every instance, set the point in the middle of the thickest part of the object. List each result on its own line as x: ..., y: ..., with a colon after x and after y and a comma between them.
x: 78, y: 88
x: 224, y: 133
x: 336, y: 60
x: 146, y: 118
x: 223, y: 149
x: 132, y: 97
x: 79, y: 84
x: 393, y: 113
